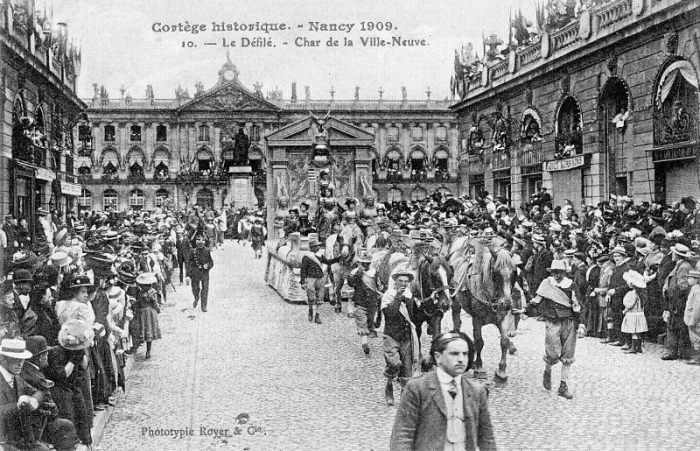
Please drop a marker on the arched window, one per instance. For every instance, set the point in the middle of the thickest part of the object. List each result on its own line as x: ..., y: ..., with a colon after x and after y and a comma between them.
x: 136, y: 173
x: 418, y: 194
x: 161, y: 196
x: 614, y: 112
x: 418, y: 164
x: 441, y: 160
x: 205, y: 198
x: 531, y: 127
x: 676, y: 104
x: 84, y: 174
x: 110, y: 199
x: 162, y: 171
x: 85, y: 200
x: 569, y: 139
x: 394, y: 195
x: 110, y: 157
x: 392, y: 163
x: 21, y: 144
x: 136, y: 199
x: 205, y: 160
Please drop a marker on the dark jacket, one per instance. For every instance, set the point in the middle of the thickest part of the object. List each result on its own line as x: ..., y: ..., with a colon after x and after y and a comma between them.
x: 395, y: 324
x: 198, y: 259
x: 421, y: 417
x: 541, y: 262
x: 365, y: 296
x: 11, y: 430
x: 617, y: 283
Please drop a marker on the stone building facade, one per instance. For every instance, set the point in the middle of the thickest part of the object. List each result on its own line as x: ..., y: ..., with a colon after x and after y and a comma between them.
x: 38, y: 72
x: 604, y: 104
x: 136, y: 153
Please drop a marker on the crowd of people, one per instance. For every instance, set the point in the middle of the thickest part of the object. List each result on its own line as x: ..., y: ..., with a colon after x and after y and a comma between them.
x: 77, y: 298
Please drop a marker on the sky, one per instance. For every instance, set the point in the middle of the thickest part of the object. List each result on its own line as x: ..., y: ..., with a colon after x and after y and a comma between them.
x: 122, y: 45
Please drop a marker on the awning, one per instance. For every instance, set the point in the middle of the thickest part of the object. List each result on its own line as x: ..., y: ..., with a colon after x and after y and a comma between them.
x: 679, y: 68
x: 417, y: 155
x: 393, y: 155
x: 441, y: 154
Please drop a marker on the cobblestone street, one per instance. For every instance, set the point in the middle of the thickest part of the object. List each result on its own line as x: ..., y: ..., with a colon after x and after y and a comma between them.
x: 254, y: 365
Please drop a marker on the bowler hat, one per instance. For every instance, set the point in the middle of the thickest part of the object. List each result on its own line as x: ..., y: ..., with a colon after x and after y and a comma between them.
x: 22, y: 275
x: 36, y: 344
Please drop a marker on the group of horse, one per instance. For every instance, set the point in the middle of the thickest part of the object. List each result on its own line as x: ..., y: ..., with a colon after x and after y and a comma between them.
x: 455, y: 272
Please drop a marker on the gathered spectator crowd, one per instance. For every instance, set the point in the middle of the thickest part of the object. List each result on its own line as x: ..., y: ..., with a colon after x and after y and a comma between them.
x: 77, y: 298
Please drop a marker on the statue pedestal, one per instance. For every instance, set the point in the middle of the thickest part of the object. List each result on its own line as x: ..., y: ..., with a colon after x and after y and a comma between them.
x: 241, y: 189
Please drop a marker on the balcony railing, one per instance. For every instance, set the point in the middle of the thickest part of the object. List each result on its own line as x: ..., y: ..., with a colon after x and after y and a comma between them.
x: 500, y: 159
x: 531, y: 153
x: 613, y: 13
x: 566, y: 36
x: 85, y: 179
x: 199, y: 177
x: 135, y: 179
x: 110, y: 178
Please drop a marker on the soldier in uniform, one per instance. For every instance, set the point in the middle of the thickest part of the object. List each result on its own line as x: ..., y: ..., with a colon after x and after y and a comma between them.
x: 198, y: 267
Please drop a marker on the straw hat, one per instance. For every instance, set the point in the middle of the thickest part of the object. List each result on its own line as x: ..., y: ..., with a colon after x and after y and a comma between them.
x: 17, y: 349
x: 557, y: 265
x: 147, y: 278
x: 79, y: 280
x: 403, y: 271
x: 681, y: 250
x: 60, y: 258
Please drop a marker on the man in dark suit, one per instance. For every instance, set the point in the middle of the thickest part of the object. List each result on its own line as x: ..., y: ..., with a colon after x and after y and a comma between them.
x: 23, y: 281
x: 444, y: 410
x: 19, y: 403
x: 198, y: 266
x: 541, y: 260
x: 617, y: 290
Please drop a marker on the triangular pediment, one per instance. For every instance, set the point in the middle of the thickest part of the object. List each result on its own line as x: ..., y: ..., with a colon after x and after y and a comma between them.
x: 306, y: 129
x: 230, y: 96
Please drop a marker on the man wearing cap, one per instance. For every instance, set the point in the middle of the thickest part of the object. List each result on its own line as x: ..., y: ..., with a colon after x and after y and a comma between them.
x: 59, y: 431
x: 198, y: 267
x: 18, y: 400
x: 23, y: 280
x: 558, y: 301
x: 366, y: 297
x: 675, y: 291
x: 400, y: 339
x: 312, y: 278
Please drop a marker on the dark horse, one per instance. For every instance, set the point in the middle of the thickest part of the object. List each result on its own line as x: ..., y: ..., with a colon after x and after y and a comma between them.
x: 483, y: 279
x: 431, y: 290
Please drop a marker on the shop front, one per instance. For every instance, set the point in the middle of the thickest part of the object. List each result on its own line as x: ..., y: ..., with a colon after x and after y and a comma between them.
x: 567, y: 179
x: 676, y: 173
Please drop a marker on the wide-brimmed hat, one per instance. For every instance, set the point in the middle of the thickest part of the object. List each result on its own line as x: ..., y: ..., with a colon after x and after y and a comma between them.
x: 75, y: 335
x: 635, y: 279
x: 403, y: 272
x: 79, y: 228
x: 126, y: 272
x: 80, y: 280
x: 17, y: 349
x: 22, y: 275
x: 111, y: 235
x: 60, y: 258
x: 60, y: 236
x: 350, y: 200
x: 42, y: 212
x: 146, y: 278
x: 618, y: 250
x: 681, y: 250
x: 557, y: 265
x: 536, y: 238
x: 36, y: 344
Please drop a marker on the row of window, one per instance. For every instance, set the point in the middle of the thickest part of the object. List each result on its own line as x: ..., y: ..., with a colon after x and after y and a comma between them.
x: 135, y: 134
x: 110, y: 199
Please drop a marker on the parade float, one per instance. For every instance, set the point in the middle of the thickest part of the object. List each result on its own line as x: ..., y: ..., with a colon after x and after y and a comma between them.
x: 322, y: 162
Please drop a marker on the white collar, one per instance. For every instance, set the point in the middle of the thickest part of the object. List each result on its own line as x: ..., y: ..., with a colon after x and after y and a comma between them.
x: 443, y: 377
x: 6, y: 375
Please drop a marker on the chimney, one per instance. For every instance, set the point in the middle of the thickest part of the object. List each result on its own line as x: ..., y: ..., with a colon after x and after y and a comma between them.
x: 294, y: 92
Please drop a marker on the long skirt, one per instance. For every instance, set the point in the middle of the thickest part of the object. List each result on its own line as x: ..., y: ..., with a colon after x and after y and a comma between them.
x: 149, y: 329
x: 104, y: 380
x: 70, y: 402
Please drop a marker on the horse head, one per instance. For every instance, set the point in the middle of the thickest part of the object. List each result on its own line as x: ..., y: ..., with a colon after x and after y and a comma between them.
x: 348, y: 238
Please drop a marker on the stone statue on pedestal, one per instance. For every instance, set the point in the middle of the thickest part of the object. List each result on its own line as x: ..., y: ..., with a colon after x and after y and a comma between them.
x: 240, y: 148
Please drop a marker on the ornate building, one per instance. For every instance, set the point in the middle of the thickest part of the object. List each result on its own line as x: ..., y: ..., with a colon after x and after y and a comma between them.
x: 139, y: 152
x: 37, y: 92
x: 600, y: 101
